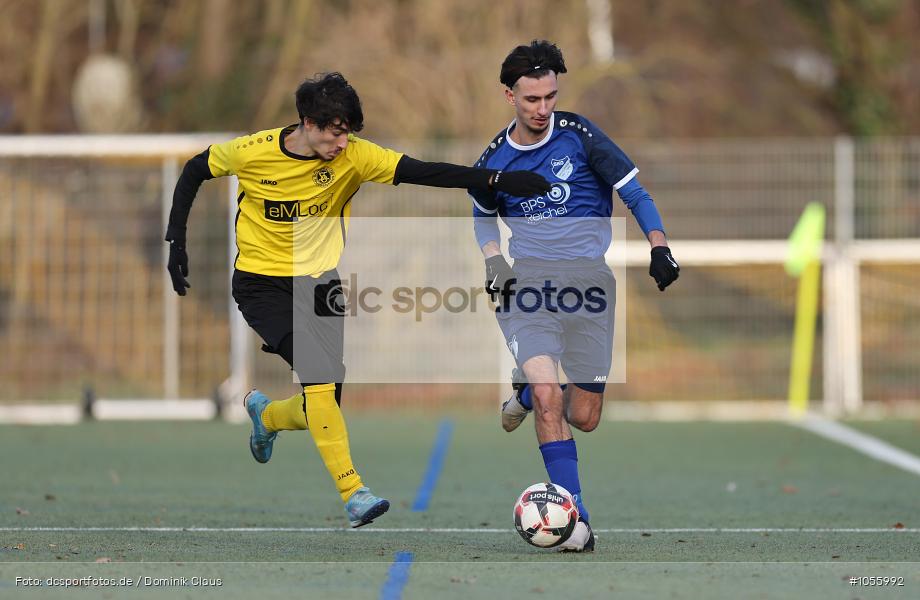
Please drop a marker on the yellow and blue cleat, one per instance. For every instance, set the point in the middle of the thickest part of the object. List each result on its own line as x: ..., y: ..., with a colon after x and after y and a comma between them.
x: 363, y: 507
x: 260, y: 440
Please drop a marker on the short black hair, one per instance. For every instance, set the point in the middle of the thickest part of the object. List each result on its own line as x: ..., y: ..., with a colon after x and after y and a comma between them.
x: 328, y: 98
x: 535, y: 60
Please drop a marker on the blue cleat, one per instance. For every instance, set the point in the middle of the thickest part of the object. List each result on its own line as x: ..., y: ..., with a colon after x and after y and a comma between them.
x: 363, y: 507
x: 260, y: 440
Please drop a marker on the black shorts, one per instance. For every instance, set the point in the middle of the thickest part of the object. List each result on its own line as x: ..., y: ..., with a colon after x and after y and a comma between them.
x: 299, y: 318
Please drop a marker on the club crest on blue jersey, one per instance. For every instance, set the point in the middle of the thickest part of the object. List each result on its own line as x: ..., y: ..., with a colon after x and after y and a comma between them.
x: 562, y: 167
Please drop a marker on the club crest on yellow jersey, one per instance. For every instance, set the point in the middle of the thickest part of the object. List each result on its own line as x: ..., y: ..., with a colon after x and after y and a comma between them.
x: 323, y: 176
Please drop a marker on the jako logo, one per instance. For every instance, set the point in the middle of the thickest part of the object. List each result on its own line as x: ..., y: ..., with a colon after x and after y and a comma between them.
x: 268, y: 182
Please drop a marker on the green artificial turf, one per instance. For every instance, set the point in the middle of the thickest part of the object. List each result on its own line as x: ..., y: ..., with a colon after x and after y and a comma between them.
x: 636, y: 476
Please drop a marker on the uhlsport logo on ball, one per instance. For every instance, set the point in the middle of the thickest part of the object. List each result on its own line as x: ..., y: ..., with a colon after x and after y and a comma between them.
x: 545, y: 515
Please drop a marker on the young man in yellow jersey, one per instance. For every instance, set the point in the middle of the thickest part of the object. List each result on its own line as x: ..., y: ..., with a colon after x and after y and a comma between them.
x: 296, y: 186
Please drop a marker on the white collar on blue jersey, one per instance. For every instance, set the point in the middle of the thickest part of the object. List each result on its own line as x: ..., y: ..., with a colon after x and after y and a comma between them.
x: 549, y: 134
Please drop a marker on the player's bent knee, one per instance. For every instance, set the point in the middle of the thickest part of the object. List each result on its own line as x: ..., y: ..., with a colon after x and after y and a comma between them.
x: 546, y: 393
x: 586, y: 420
x: 589, y: 424
x: 547, y: 400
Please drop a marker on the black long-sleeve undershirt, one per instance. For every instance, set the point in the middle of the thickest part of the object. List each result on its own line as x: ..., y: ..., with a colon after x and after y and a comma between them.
x: 438, y: 174
x: 195, y: 172
x: 408, y: 170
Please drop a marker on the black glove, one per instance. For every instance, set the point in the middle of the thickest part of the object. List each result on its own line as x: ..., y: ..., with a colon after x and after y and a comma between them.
x: 523, y: 184
x: 499, y: 276
x: 178, y: 266
x: 664, y: 268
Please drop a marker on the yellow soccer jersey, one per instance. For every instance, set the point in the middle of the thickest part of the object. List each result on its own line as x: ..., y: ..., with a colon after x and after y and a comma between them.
x: 293, y: 210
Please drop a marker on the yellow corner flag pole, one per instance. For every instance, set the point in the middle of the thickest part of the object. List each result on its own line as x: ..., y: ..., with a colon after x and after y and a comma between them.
x: 803, y: 260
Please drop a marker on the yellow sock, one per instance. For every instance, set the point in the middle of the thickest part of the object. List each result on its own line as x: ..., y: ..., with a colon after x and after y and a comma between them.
x: 328, y: 428
x: 285, y: 415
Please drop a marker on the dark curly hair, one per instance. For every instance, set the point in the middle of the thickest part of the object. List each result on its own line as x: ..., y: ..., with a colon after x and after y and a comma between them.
x: 328, y: 98
x: 535, y: 60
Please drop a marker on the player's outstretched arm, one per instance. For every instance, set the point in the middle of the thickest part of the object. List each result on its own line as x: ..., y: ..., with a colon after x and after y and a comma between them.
x: 523, y: 184
x: 195, y: 172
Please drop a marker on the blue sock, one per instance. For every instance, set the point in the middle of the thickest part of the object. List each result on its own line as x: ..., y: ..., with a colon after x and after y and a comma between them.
x: 561, y: 460
x: 526, y: 397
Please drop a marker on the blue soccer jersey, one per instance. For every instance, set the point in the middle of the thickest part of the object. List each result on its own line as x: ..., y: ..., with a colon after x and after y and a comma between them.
x: 584, y: 167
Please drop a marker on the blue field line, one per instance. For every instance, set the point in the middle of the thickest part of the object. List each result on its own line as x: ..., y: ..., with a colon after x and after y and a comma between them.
x: 397, y: 577
x: 435, y: 463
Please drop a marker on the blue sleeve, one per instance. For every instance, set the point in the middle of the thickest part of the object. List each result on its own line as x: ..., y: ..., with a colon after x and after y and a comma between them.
x: 640, y: 203
x: 485, y: 204
x: 606, y: 158
x: 485, y: 226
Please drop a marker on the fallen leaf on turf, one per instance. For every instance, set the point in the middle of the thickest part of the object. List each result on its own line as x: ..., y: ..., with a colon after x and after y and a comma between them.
x: 537, y: 590
x: 455, y: 580
x: 899, y: 525
x: 104, y: 559
x: 113, y: 474
x: 50, y: 497
x: 790, y: 489
x: 681, y: 541
x: 22, y: 511
x: 836, y: 556
x: 646, y: 534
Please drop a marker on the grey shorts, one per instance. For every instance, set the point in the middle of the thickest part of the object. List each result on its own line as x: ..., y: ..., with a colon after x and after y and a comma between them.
x: 564, y: 310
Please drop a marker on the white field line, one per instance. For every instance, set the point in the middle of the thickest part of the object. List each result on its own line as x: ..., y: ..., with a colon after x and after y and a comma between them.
x: 861, y: 442
x: 449, y: 530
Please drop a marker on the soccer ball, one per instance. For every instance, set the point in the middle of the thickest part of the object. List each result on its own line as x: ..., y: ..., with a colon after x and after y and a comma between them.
x: 545, y: 515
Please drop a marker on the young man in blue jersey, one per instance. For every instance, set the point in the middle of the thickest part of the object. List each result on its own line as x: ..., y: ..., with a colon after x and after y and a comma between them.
x: 555, y: 307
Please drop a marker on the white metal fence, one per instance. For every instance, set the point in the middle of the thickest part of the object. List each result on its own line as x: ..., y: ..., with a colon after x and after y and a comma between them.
x: 85, y: 302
